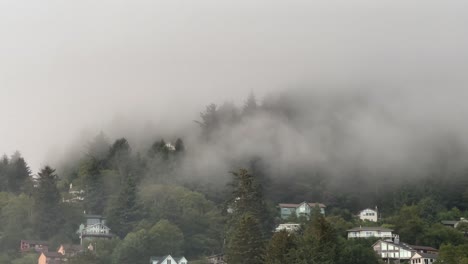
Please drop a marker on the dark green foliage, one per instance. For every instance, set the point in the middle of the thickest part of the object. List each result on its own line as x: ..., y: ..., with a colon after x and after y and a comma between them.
x: 356, y: 252
x: 95, y: 193
x: 47, y: 214
x: 162, y: 239
x: 246, y: 244
x: 247, y: 197
x: 281, y: 248
x: 319, y: 242
x: 15, y: 175
x: 249, y: 221
x: 124, y: 213
x: 450, y: 254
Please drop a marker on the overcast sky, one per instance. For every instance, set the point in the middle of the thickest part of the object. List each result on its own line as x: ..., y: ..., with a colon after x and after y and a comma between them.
x: 72, y: 66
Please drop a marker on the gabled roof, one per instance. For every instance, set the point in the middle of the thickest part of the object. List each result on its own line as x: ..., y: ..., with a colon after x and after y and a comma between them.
x: 415, y: 247
x: 425, y: 255
x: 160, y: 259
x: 290, y: 205
x: 364, y: 228
x: 400, y: 244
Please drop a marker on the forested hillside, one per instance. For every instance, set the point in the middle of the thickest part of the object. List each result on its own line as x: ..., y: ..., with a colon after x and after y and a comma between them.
x: 210, y: 189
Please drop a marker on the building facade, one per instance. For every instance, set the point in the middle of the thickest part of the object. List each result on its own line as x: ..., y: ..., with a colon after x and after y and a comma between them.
x: 368, y: 215
x: 299, y: 210
x: 392, y: 250
x: 368, y: 232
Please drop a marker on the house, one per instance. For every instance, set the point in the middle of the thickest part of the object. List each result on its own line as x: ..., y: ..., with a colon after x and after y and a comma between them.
x: 50, y: 258
x: 38, y: 246
x: 94, y: 228
x: 454, y: 224
x: 69, y: 250
x: 302, y: 209
x: 393, y: 250
x: 216, y: 259
x: 369, y: 215
x: 168, y: 260
x: 368, y: 232
x: 423, y: 258
x: 290, y: 227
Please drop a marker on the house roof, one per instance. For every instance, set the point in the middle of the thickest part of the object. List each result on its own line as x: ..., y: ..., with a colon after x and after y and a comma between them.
x: 364, y: 228
x: 425, y: 255
x: 415, y: 247
x: 90, y: 216
x: 290, y: 205
x: 159, y: 258
x: 400, y: 244
x: 367, y: 209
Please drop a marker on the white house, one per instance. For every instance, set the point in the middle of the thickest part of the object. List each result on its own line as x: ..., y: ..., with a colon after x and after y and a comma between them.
x: 393, y: 250
x: 423, y: 258
x: 367, y: 232
x: 290, y: 227
x: 168, y: 260
x: 369, y: 215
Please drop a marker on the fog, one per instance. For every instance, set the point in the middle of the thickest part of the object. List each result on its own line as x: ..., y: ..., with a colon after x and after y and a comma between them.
x: 69, y: 69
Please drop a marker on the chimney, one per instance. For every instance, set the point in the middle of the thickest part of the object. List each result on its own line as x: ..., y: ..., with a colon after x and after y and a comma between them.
x: 397, y: 239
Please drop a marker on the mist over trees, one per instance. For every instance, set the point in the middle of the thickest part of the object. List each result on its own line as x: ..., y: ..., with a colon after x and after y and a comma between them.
x: 289, y: 147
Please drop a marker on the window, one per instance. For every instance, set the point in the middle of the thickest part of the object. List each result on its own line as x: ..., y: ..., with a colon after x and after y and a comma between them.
x: 168, y: 261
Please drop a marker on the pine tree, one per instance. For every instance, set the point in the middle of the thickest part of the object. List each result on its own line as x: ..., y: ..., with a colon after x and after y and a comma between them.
x: 123, y: 215
x: 19, y: 174
x: 120, y: 156
x: 4, y: 172
x: 249, y: 220
x: 47, y: 213
x: 246, y: 244
x: 179, y: 145
x: 95, y: 195
x: 318, y: 243
x: 280, y: 247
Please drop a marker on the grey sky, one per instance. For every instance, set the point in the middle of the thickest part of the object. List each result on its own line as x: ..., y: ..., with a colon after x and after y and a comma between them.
x: 70, y: 66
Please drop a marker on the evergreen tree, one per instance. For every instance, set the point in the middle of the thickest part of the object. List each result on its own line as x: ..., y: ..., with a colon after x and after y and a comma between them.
x: 249, y: 220
x: 47, y: 213
x: 246, y: 244
x: 4, y: 172
x: 318, y: 243
x: 19, y: 174
x: 95, y: 194
x: 123, y: 215
x: 159, y: 149
x: 280, y: 248
x: 210, y: 121
x: 247, y: 197
x: 120, y: 156
x: 179, y: 145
